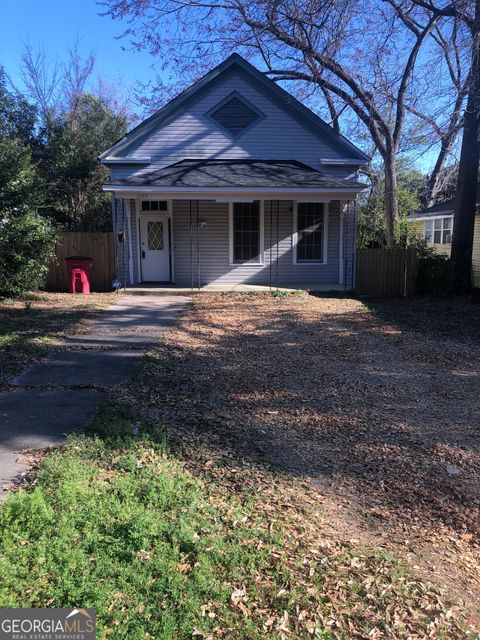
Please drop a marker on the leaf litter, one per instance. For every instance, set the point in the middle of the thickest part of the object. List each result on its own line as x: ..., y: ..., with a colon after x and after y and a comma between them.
x: 328, y: 420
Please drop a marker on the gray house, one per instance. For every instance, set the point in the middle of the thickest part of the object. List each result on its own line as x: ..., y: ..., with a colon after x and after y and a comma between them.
x: 235, y: 182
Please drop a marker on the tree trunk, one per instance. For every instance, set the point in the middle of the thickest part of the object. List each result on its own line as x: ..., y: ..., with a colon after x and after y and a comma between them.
x: 434, y: 183
x: 466, y: 195
x: 391, y: 196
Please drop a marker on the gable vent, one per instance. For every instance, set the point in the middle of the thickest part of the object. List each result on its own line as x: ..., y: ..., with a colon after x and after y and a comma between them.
x: 234, y: 115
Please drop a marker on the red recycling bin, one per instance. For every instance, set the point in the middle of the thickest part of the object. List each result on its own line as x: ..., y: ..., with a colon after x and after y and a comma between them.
x: 79, y: 273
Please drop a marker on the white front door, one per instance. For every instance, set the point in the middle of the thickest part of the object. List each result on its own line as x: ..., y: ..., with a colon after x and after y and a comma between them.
x: 154, y: 248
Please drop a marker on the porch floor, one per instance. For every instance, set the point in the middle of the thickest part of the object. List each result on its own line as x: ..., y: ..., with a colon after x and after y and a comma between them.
x: 153, y: 289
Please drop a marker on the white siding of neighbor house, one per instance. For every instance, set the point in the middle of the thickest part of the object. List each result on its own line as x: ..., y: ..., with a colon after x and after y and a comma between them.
x: 446, y: 249
x: 280, y: 135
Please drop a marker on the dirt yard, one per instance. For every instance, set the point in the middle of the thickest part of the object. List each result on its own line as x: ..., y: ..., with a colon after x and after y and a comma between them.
x: 374, y: 408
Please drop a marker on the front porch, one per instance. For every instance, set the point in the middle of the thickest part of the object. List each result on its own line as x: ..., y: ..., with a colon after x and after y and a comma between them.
x: 197, y: 244
x: 166, y: 290
x: 236, y: 225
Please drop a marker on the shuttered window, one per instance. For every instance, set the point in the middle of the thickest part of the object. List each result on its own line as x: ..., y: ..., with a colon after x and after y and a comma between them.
x: 246, y: 232
x: 310, y: 238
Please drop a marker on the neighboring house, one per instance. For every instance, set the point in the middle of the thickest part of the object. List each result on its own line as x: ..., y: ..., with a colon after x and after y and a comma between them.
x: 435, y: 224
x: 235, y: 182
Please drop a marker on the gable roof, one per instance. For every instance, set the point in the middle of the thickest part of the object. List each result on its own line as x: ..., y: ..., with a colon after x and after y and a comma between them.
x: 445, y: 208
x: 226, y: 174
x: 353, y: 153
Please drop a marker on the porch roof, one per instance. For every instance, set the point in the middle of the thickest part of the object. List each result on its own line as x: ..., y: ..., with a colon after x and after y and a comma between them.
x: 235, y: 175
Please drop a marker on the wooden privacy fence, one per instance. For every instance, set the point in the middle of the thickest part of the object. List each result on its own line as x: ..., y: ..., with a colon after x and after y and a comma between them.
x: 386, y: 272
x: 96, y: 245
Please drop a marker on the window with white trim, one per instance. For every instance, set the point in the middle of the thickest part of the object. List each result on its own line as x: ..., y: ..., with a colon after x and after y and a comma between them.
x: 154, y: 205
x: 438, y: 231
x: 246, y: 233
x: 310, y: 232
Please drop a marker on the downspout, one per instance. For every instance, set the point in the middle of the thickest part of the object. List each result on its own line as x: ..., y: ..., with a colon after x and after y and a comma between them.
x: 278, y: 242
x: 198, y: 247
x: 341, y: 249
x: 123, y: 242
x: 271, y: 240
x: 191, y: 248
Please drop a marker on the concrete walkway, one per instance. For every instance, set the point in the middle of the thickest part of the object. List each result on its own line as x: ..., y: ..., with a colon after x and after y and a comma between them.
x: 58, y: 395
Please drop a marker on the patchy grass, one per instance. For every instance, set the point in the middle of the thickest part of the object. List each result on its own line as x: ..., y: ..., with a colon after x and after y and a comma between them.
x: 172, y: 546
x: 29, y: 326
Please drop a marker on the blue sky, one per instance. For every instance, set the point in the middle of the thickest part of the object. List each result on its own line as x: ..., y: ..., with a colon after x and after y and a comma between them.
x: 55, y: 24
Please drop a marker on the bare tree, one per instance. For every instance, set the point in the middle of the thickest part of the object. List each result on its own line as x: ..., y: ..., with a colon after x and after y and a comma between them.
x: 446, y: 122
x: 467, y: 12
x: 42, y: 79
x: 363, y: 56
x: 76, y: 73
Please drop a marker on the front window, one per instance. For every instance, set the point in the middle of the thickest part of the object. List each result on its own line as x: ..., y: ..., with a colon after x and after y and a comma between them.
x: 154, y: 205
x: 438, y: 231
x: 246, y: 232
x: 310, y: 233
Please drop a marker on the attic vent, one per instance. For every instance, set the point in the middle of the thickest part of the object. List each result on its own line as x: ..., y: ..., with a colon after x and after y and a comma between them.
x: 234, y: 115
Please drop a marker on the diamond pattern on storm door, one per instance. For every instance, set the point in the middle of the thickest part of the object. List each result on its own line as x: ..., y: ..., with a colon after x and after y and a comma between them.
x: 155, y: 236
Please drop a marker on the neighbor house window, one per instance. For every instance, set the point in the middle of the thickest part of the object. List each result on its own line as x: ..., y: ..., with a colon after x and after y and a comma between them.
x: 310, y: 232
x: 154, y: 205
x: 438, y: 231
x: 246, y: 232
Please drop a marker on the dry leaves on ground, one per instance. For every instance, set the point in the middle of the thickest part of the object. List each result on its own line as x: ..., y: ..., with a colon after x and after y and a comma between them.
x: 342, y: 421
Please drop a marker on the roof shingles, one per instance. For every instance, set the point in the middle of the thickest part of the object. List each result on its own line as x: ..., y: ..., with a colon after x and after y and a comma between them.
x: 229, y: 174
x: 445, y: 208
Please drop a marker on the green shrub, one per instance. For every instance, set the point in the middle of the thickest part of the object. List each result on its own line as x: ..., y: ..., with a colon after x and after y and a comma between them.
x: 279, y: 293
x: 27, y: 244
x: 433, y: 274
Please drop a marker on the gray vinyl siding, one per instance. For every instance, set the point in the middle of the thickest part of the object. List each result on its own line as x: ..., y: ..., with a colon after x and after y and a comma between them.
x: 213, y: 240
x: 350, y: 244
x: 121, y: 248
x: 134, y: 236
x: 192, y: 134
x: 343, y: 171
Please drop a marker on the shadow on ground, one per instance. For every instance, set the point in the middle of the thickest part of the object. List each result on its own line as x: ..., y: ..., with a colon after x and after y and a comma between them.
x: 334, y: 391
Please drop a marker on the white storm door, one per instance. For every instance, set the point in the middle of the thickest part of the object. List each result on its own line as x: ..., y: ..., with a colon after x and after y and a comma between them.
x: 154, y: 248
